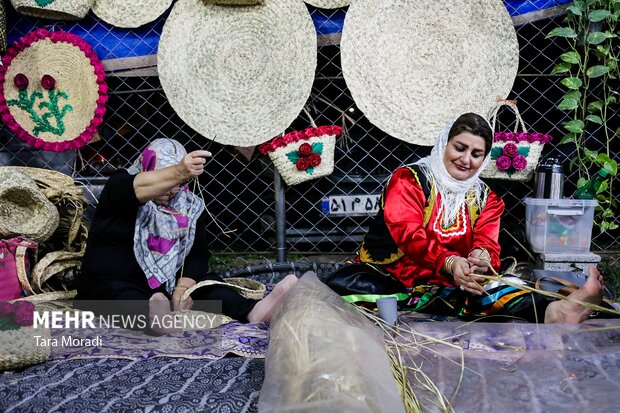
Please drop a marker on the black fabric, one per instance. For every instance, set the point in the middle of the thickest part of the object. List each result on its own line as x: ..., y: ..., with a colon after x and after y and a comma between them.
x: 110, y: 270
x: 361, y: 278
x: 378, y: 242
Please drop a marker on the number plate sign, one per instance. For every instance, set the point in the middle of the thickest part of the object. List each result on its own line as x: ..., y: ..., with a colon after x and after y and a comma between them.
x: 351, y: 205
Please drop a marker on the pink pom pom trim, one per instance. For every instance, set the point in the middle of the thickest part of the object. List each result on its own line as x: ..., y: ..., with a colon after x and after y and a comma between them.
x: 56, y: 37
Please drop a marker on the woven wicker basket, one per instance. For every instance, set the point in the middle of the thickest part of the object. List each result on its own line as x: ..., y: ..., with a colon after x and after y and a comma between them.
x: 514, y: 155
x: 300, y: 156
x: 246, y: 287
x: 18, y: 348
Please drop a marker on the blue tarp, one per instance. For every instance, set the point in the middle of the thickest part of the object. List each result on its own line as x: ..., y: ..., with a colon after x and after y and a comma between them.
x: 111, y: 42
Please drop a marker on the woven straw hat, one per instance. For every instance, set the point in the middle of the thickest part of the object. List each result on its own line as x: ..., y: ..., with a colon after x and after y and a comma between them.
x: 54, y: 9
x: 411, y: 65
x: 328, y: 4
x: 130, y: 13
x: 239, y: 75
x: 52, y: 90
x: 24, y: 210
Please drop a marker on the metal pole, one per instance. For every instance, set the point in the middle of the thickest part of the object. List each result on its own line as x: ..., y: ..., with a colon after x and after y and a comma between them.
x: 280, y: 216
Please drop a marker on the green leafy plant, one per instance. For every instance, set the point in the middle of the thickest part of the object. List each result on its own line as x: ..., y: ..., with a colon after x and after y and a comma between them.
x: 591, y: 71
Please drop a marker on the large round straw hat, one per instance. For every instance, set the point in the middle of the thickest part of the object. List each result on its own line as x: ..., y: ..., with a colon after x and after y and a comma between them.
x: 412, y: 65
x: 130, y: 13
x: 54, y: 9
x: 328, y: 4
x: 52, y: 90
x: 24, y: 210
x: 238, y: 75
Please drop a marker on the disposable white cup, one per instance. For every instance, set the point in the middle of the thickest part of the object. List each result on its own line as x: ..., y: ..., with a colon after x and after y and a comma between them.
x: 387, y: 309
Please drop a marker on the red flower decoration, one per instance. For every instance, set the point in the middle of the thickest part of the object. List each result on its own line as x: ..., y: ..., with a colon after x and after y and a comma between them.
x: 21, y: 81
x: 48, y: 82
x: 314, y: 159
x: 302, y: 164
x: 305, y: 149
x: 518, y: 162
x: 503, y: 163
x: 510, y: 150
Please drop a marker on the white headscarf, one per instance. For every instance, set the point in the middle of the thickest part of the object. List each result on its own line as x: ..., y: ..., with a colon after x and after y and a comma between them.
x: 453, y: 191
x: 164, y: 234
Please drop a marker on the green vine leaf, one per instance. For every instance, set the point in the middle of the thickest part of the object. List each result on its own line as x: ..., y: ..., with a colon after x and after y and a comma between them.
x: 603, y: 187
x: 581, y: 182
x: 595, y: 119
x: 597, y: 71
x: 575, y: 126
x: 596, y: 106
x: 608, y: 213
x: 590, y: 154
x: 568, y: 138
x: 598, y: 15
x: 596, y: 38
x: 561, y: 68
x: 573, y: 94
x: 566, y: 32
x: 575, y: 10
x: 611, y: 100
x: 572, y: 82
x: 568, y: 104
x: 571, y: 57
x: 613, y: 225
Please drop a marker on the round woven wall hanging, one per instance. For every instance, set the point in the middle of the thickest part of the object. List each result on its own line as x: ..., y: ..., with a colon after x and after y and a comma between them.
x: 54, y: 9
x: 52, y: 90
x: 412, y: 65
x: 130, y: 13
x: 238, y: 75
x: 328, y: 4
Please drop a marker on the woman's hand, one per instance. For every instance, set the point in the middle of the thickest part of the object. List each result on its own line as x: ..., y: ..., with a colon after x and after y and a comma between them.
x: 461, y: 272
x: 479, y: 260
x: 193, y: 163
x: 183, y: 285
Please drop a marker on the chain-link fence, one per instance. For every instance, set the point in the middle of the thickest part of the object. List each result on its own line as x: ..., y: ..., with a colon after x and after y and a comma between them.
x: 239, y: 183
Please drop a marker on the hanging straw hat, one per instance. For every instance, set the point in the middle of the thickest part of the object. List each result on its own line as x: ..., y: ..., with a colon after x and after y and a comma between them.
x: 130, y: 13
x: 52, y: 90
x: 24, y: 210
x: 412, y: 65
x: 54, y: 9
x: 238, y: 75
x: 2, y: 27
x: 328, y: 4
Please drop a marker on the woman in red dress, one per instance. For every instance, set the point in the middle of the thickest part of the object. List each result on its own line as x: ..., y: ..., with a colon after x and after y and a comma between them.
x: 437, y: 228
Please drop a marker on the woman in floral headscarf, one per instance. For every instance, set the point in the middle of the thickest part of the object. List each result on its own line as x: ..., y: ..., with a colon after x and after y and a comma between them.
x: 148, y: 229
x: 438, y: 227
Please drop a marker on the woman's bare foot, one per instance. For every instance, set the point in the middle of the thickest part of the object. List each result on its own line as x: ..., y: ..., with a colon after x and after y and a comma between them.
x: 563, y: 311
x: 266, y: 308
x: 161, y: 319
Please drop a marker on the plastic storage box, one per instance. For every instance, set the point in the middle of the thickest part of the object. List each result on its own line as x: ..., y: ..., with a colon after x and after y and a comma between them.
x: 559, y: 225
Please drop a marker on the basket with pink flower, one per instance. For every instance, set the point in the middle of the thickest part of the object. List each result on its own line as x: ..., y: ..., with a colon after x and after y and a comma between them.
x: 515, y: 154
x: 303, y: 155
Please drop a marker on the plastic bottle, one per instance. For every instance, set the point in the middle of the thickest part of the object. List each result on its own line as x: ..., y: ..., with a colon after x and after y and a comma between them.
x: 589, y: 190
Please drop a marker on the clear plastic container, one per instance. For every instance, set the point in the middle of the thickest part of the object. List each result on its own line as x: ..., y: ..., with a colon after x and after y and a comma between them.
x: 560, y: 226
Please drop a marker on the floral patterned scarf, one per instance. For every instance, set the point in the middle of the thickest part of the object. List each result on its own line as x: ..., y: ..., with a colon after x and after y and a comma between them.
x: 164, y: 234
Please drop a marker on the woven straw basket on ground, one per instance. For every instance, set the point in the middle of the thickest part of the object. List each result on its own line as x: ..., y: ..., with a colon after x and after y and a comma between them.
x: 18, y: 348
x: 515, y: 154
x: 54, y: 9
